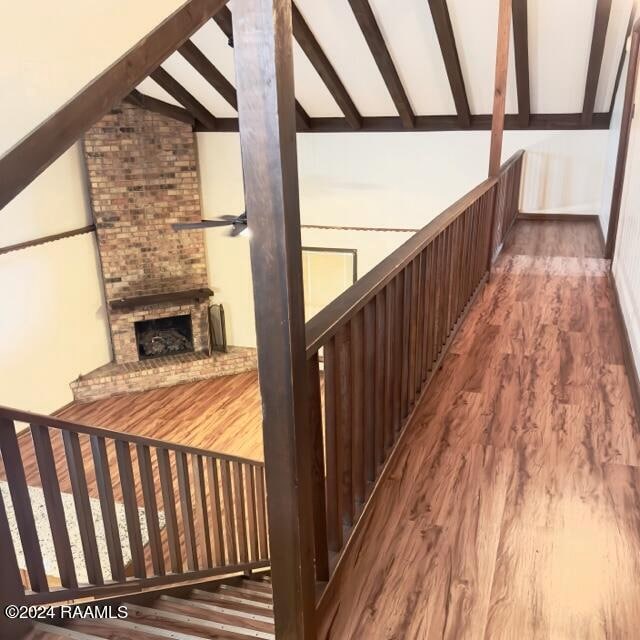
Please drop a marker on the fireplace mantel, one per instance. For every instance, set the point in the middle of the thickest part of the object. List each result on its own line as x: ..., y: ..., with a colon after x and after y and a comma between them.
x: 174, y: 297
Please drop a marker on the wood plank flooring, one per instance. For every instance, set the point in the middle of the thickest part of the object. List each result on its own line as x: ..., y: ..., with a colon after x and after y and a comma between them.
x: 221, y: 414
x: 512, y: 508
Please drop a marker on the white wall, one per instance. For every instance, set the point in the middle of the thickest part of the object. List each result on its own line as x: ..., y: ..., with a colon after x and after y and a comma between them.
x: 626, y: 263
x: 386, y: 180
x: 53, y: 324
x: 50, y: 50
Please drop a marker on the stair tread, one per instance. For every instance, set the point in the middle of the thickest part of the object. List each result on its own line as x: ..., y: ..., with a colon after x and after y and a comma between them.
x: 215, y: 613
x: 190, y: 624
x: 258, y: 585
x: 43, y: 631
x: 243, y: 592
x: 213, y: 597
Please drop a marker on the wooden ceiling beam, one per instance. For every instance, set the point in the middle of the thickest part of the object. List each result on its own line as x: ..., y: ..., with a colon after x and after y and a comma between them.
x: 209, y: 72
x: 179, y: 93
x: 160, y: 106
x: 603, y: 11
x: 372, y: 34
x: 537, y: 122
x: 446, y: 38
x: 500, y: 91
x: 521, y: 52
x: 223, y: 19
x: 321, y: 64
x: 47, y: 142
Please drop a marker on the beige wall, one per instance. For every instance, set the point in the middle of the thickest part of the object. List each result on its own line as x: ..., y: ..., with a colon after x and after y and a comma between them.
x: 50, y: 50
x: 405, y: 179
x: 387, y: 180
x: 53, y: 323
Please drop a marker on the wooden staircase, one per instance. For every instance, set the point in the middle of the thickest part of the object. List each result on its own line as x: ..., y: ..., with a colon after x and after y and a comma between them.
x: 239, y: 608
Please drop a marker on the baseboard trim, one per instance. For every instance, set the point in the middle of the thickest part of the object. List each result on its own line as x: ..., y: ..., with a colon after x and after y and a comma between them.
x: 559, y: 217
x: 630, y: 365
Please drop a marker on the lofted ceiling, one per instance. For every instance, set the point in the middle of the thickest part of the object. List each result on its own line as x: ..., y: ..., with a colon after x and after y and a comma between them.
x: 560, y: 35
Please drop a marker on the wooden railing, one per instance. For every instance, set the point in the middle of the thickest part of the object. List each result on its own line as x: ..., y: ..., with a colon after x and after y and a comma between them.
x: 507, y: 200
x: 382, y: 341
x: 204, y: 513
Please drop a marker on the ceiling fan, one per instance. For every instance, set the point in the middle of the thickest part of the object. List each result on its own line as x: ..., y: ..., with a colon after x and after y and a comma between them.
x: 238, y: 224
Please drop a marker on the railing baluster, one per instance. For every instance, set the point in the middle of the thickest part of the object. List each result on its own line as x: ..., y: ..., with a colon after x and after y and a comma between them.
x: 132, y: 517
x: 369, y: 414
x: 389, y: 382
x: 82, y: 504
x: 344, y: 439
x: 318, y: 475
x: 169, y: 505
x: 202, y: 513
x: 333, y: 493
x: 252, y: 531
x: 379, y: 380
x: 397, y: 359
x: 428, y: 312
x: 262, y: 520
x: 108, y: 507
x: 431, y: 310
x: 405, y: 315
x: 413, y: 329
x: 457, y: 270
x: 151, y: 509
x: 186, y: 509
x: 239, y: 508
x: 420, y: 320
x: 438, y: 302
x: 216, y: 509
x: 449, y: 276
x: 357, y: 402
x: 53, y: 501
x: 469, y: 241
x: 227, y: 496
x: 21, y: 500
x: 11, y: 588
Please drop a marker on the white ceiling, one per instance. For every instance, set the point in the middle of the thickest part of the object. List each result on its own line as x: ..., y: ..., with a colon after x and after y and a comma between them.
x: 560, y: 33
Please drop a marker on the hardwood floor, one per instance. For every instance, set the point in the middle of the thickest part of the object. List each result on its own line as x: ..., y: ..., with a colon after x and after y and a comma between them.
x: 512, y: 508
x: 574, y: 239
x: 221, y: 414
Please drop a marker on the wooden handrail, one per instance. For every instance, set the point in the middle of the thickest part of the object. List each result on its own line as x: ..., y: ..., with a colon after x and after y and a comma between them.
x: 327, y: 321
x: 132, y: 438
x: 213, y: 507
x: 384, y: 338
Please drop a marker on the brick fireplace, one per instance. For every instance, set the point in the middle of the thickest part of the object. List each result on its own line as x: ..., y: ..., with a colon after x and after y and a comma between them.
x: 143, y: 177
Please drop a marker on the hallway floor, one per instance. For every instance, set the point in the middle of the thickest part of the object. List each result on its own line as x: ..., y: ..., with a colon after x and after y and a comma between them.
x: 512, y: 510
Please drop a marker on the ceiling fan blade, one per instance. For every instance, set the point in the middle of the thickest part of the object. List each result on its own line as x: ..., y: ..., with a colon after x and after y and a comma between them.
x: 203, y: 224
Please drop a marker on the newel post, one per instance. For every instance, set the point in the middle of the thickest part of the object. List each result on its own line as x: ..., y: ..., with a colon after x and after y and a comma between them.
x: 266, y: 110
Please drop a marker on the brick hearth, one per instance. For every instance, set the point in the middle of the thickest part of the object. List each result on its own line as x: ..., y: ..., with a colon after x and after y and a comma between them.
x: 113, y: 379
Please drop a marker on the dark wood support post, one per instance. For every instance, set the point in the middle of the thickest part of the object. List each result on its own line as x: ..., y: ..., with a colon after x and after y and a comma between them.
x: 623, y: 144
x: 266, y: 108
x: 500, y: 94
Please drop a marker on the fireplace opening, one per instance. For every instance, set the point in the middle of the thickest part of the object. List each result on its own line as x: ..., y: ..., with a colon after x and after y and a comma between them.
x: 164, y: 336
